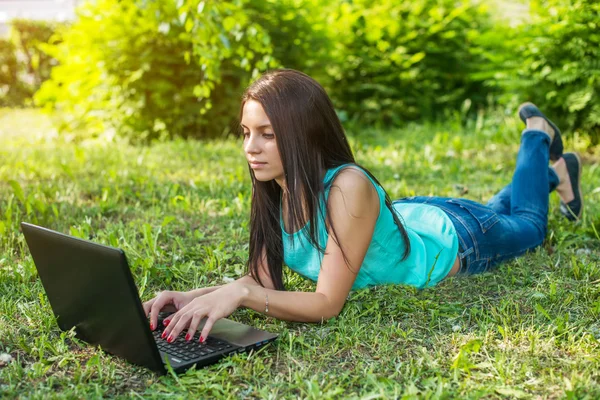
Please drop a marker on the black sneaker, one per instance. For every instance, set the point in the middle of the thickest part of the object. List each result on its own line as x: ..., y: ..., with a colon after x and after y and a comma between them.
x: 528, y: 110
x: 573, y: 209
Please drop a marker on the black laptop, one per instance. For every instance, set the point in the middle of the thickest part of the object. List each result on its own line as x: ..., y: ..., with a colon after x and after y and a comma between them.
x: 90, y: 287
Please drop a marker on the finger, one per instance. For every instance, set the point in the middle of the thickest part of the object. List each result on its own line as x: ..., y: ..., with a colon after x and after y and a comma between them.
x: 207, y: 328
x: 176, y: 327
x: 156, y: 307
x: 147, y: 306
x: 171, y: 322
x: 196, y: 319
x: 167, y: 320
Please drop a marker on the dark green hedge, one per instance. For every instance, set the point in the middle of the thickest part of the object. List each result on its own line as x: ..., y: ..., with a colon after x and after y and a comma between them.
x: 405, y: 60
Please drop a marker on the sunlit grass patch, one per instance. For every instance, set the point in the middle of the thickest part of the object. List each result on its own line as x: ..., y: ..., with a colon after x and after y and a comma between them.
x: 180, y: 211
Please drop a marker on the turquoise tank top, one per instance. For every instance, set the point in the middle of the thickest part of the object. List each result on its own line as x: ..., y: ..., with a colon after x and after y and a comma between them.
x: 433, y: 242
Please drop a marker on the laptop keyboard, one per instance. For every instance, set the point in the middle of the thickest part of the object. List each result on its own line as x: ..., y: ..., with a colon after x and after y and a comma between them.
x: 193, y: 349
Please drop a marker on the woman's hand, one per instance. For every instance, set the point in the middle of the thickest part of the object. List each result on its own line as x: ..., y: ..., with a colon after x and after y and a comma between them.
x: 213, y: 306
x: 169, y: 301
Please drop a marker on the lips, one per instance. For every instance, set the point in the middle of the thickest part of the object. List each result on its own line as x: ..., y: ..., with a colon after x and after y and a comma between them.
x: 257, y: 165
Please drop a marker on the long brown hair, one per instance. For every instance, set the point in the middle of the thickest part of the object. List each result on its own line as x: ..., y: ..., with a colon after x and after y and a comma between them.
x: 311, y: 140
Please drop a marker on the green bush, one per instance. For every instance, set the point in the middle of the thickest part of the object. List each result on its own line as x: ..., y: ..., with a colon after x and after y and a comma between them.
x: 23, y: 63
x: 8, y: 73
x: 145, y: 69
x: 398, y: 61
x: 149, y: 69
x: 31, y: 37
x: 299, y: 33
x: 558, y: 54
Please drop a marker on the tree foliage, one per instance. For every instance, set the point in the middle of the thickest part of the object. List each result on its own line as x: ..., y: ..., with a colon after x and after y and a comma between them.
x: 24, y: 65
x: 8, y: 73
x: 155, y: 68
x: 560, y: 61
x: 398, y: 61
x: 146, y: 69
x: 299, y: 31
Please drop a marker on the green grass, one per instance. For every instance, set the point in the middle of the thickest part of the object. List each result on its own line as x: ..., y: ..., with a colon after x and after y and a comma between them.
x: 530, y: 329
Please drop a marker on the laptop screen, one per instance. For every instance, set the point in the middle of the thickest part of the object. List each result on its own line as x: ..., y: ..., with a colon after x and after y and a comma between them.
x: 90, y: 287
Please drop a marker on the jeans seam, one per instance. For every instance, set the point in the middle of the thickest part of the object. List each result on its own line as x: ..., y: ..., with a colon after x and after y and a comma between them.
x: 465, y: 226
x: 480, y: 207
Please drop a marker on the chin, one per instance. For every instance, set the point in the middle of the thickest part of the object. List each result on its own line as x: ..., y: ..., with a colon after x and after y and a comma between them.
x: 264, y: 176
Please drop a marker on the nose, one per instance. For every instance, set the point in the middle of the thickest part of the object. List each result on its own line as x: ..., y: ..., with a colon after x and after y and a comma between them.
x: 252, y: 146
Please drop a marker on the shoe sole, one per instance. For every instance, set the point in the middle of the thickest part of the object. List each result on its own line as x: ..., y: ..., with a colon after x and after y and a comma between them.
x: 553, y: 156
x: 579, y: 183
x: 528, y: 103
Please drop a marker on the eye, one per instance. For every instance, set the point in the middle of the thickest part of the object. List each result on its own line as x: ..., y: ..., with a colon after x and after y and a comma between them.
x: 268, y: 135
x: 244, y: 134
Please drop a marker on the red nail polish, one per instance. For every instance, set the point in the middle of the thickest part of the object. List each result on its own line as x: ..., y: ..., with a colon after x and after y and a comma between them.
x: 188, y: 337
x: 201, y: 339
x: 151, y: 327
x: 166, y: 322
x: 164, y: 334
x: 170, y: 339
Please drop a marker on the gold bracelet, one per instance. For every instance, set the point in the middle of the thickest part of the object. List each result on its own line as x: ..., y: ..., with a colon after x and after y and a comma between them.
x: 266, y: 303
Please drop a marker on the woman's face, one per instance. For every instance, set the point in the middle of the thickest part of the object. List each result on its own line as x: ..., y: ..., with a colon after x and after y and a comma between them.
x: 260, y: 146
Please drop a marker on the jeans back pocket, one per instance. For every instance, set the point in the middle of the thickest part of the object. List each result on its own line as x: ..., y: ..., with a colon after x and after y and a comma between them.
x: 485, y: 216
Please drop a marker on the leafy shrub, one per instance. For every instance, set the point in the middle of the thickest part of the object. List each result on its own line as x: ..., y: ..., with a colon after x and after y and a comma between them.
x: 299, y: 33
x: 8, y: 72
x: 30, y: 37
x: 23, y: 63
x: 146, y: 69
x: 400, y: 61
x: 558, y: 55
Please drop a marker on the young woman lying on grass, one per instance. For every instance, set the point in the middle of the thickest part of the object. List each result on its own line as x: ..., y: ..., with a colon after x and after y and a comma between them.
x: 329, y: 219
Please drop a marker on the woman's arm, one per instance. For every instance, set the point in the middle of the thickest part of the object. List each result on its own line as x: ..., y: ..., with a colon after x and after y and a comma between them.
x: 354, y: 209
x: 172, y: 301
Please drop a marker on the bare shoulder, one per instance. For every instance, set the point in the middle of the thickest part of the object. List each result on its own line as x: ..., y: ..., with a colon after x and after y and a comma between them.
x: 353, y: 191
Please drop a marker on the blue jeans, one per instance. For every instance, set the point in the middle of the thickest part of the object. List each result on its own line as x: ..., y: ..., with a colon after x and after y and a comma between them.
x: 513, y: 221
